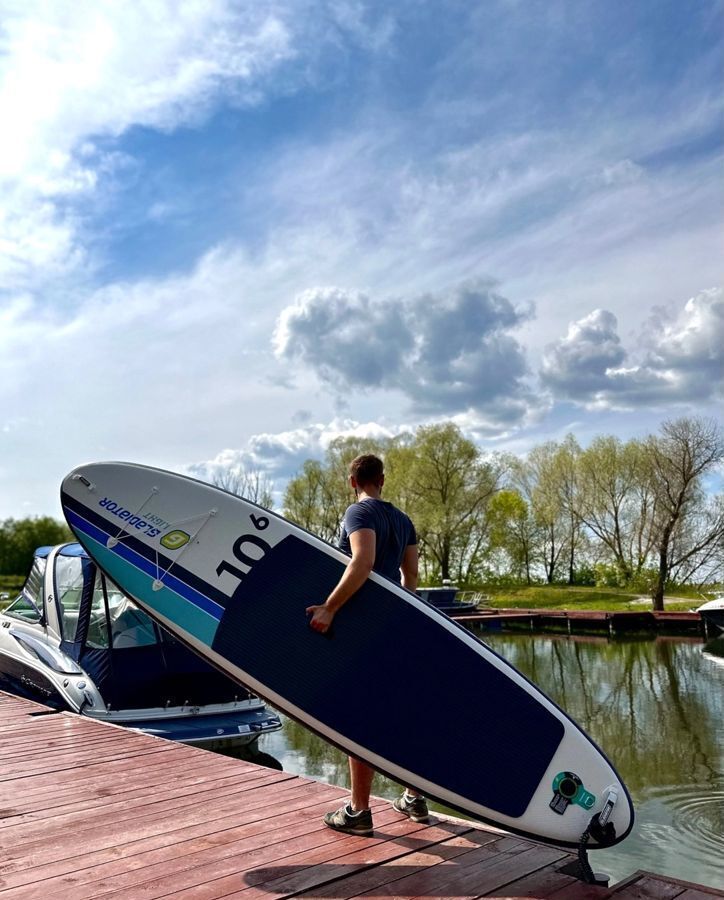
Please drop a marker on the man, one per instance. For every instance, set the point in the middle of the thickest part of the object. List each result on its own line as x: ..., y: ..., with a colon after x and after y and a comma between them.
x: 382, y: 538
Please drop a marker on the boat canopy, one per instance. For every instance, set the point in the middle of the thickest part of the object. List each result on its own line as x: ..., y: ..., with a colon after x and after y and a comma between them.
x: 133, y: 662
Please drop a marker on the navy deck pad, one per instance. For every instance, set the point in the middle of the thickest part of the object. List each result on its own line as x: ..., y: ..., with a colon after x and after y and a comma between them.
x: 384, y: 657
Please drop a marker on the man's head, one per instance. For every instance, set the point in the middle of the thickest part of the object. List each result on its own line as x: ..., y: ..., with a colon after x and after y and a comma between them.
x: 366, y: 471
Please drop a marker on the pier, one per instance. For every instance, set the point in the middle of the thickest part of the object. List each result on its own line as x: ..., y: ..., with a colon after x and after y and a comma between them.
x: 575, y: 621
x: 91, y: 810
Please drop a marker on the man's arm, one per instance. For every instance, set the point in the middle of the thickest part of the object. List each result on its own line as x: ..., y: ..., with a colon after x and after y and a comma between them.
x: 363, y: 545
x: 409, y: 567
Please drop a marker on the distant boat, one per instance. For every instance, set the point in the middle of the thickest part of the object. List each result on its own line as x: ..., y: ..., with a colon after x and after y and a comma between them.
x: 73, y: 641
x: 445, y: 599
x: 712, y: 612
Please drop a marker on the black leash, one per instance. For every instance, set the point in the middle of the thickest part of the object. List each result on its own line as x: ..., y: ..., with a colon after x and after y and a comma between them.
x: 604, y: 833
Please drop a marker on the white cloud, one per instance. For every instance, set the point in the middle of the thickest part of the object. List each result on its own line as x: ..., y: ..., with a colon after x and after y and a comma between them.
x: 280, y: 455
x: 577, y: 364
x: 75, y: 74
x: 682, y: 359
x: 447, y: 353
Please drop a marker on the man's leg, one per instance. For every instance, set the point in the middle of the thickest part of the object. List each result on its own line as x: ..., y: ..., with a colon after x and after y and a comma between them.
x: 355, y: 817
x: 361, y: 776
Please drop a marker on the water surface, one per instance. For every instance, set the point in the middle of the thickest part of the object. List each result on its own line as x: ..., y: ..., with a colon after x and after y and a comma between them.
x: 656, y: 707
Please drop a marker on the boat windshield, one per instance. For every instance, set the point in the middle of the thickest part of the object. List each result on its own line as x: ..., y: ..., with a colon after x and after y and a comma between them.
x: 117, y: 623
x: 29, y: 604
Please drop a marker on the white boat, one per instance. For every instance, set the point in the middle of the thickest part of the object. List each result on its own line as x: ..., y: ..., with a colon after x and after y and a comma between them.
x: 712, y: 612
x: 73, y: 641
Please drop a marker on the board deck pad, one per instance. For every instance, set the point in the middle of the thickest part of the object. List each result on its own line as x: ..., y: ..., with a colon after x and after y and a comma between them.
x: 356, y: 668
x: 395, y: 682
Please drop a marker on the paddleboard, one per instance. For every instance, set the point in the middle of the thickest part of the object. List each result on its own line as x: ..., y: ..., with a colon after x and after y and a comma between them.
x: 397, y: 683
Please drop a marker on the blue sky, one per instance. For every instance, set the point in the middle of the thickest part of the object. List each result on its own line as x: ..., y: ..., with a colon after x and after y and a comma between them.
x: 231, y: 231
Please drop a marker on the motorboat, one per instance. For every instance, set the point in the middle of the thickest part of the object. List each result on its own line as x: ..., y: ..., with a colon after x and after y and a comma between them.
x: 446, y: 599
x: 73, y: 640
x: 712, y: 613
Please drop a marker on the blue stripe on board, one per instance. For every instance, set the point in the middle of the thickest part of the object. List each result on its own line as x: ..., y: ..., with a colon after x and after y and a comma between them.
x: 149, y: 553
x: 100, y: 537
x: 165, y: 602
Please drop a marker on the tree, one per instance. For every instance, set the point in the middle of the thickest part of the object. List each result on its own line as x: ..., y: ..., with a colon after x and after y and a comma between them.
x: 448, y: 484
x: 251, y: 484
x: 513, y: 530
x: 680, y: 456
x: 311, y: 500
x: 20, y: 538
x: 539, y: 479
x: 436, y: 475
x: 317, y: 497
x: 566, y: 481
x: 617, y: 502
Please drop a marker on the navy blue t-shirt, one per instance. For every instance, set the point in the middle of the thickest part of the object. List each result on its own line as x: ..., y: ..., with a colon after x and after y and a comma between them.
x: 394, y: 533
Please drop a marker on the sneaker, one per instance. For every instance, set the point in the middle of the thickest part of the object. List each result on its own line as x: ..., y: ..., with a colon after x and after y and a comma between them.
x: 344, y: 819
x: 413, y: 807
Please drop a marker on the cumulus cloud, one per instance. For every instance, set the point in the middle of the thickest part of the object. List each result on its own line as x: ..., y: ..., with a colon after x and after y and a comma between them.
x: 578, y: 363
x: 680, y: 360
x: 447, y: 353
x: 280, y: 455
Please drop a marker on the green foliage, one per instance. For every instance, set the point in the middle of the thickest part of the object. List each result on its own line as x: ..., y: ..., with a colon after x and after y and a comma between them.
x: 439, y: 477
x: 19, y: 538
x: 584, y: 576
x: 609, y: 575
x: 621, y: 515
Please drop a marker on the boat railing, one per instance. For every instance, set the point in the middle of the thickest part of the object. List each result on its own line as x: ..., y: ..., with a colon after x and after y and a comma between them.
x: 481, y: 600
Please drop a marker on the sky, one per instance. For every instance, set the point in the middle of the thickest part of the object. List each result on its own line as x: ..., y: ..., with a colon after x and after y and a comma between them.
x: 233, y: 231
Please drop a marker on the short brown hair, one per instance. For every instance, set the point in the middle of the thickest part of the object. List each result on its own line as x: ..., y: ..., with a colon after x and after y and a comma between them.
x: 366, y: 469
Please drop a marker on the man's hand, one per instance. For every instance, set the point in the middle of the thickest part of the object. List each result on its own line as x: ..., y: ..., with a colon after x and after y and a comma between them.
x: 321, y: 618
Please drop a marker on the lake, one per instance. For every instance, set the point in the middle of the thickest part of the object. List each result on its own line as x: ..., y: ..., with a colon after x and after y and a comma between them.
x: 656, y: 707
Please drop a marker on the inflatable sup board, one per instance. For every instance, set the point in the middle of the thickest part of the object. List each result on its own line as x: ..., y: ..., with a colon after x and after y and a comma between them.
x: 233, y: 580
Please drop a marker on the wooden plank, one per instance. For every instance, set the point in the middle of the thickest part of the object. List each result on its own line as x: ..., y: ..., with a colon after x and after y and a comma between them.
x: 301, y: 857
x: 653, y: 883
x: 46, y: 805
x: 52, y: 765
x: 164, y: 800
x: 38, y: 833
x: 369, y: 879
x: 495, y: 874
x: 308, y: 874
x: 580, y: 891
x: 647, y: 887
x: 299, y: 827
x: 108, y: 873
x: 540, y: 884
x: 119, y: 855
x: 33, y: 802
x: 692, y: 894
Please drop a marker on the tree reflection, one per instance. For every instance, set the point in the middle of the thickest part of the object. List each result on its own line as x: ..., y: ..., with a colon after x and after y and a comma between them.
x: 654, y: 706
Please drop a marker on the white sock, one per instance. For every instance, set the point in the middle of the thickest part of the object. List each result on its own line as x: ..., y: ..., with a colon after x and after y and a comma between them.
x: 351, y: 811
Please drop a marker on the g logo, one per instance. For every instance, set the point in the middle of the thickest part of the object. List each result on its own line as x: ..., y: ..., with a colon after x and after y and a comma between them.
x: 174, y: 540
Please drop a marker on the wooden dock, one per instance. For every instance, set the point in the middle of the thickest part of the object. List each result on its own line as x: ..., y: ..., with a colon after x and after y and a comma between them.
x: 89, y: 810
x: 573, y: 621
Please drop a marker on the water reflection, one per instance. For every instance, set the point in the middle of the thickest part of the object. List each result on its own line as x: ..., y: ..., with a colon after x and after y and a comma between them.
x: 657, y: 709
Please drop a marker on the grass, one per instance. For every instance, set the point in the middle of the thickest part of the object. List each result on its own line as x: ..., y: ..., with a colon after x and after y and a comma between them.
x: 520, y: 597
x: 11, y: 585
x: 563, y: 597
